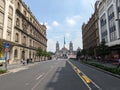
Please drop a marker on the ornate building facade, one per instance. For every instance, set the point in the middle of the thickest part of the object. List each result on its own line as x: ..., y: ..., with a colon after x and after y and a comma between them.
x: 20, y: 28
x: 64, y: 52
x: 90, y: 32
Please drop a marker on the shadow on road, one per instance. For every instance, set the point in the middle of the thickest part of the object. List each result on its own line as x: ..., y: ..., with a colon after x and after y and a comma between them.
x: 65, y: 79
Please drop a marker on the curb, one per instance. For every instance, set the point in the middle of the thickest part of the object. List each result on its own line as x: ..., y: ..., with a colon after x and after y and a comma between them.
x: 115, y: 75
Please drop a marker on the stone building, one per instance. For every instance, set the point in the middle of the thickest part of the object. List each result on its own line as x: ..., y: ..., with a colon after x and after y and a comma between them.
x: 109, y: 24
x: 90, y: 32
x: 20, y: 28
x: 64, y: 52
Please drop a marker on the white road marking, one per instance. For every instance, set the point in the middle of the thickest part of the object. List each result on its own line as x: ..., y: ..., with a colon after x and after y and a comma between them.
x: 27, y: 84
x: 40, y: 76
x: 41, y: 79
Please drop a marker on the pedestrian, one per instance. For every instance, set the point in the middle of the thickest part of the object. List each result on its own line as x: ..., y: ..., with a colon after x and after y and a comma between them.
x: 27, y: 60
x: 118, y: 63
x: 23, y: 62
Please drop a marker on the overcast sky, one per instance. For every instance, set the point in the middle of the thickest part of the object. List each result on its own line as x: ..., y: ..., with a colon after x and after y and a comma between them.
x: 62, y: 18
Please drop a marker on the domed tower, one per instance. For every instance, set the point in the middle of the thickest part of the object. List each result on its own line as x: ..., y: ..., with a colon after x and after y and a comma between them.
x: 71, y: 47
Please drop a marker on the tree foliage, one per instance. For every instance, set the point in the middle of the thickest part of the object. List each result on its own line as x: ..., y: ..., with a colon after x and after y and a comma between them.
x: 102, y: 50
x: 39, y: 52
x: 1, y: 47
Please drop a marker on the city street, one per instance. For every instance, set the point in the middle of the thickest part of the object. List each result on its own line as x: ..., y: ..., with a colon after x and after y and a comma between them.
x: 58, y: 75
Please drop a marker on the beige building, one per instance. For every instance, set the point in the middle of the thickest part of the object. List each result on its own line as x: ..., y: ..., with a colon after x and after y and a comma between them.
x: 90, y: 32
x: 20, y: 28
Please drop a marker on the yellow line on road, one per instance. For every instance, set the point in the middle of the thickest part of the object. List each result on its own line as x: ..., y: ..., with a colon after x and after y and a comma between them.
x: 80, y: 73
x: 86, y: 79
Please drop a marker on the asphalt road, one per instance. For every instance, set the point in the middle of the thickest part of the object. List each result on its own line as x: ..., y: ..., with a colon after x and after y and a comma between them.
x: 58, y: 75
x: 49, y: 75
x: 103, y: 80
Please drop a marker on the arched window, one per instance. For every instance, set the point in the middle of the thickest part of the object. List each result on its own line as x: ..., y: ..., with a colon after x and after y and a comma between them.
x: 33, y: 43
x: 10, y: 10
x: 24, y: 40
x: 31, y: 31
x: 17, y: 37
x: 17, y: 22
x: 18, y: 5
x: 2, y: 4
x: 16, y: 53
x: 30, y: 42
x: 25, y: 13
x: 2, y: 7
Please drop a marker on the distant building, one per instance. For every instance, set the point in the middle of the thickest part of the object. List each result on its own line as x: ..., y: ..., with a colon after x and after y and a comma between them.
x: 64, y: 52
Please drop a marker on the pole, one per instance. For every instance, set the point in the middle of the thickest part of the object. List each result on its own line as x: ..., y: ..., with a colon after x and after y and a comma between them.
x: 6, y: 60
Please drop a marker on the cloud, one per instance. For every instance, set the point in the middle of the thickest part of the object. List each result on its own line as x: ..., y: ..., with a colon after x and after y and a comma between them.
x: 51, y: 45
x: 55, y: 23
x: 48, y: 26
x: 71, y: 21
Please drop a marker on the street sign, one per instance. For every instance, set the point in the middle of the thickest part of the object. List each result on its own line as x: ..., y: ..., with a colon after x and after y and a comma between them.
x: 6, y: 45
x: 6, y: 49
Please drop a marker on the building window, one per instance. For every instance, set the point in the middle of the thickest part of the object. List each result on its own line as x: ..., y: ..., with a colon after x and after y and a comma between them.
x: 9, y: 23
x: 111, y: 22
x: 103, y: 28
x: 1, y: 19
x: 1, y: 33
x: 17, y: 22
x: 24, y: 40
x: 30, y: 42
x: 18, y: 5
x: 24, y: 12
x: 33, y: 43
x: 10, y: 10
x: 2, y: 4
x: 17, y: 37
x: 16, y: 53
x: 8, y: 35
x: 31, y: 32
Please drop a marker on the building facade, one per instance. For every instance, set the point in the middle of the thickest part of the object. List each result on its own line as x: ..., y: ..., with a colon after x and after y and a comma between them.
x: 90, y: 32
x: 64, y: 52
x: 20, y: 28
x: 109, y: 24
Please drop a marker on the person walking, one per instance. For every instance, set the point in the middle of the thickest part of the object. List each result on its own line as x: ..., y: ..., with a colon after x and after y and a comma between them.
x: 118, y: 63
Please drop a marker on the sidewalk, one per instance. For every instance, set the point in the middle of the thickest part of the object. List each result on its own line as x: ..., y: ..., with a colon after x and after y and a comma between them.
x: 16, y: 66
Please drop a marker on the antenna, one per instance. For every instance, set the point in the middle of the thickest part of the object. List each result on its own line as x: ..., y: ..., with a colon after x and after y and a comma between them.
x: 92, y: 7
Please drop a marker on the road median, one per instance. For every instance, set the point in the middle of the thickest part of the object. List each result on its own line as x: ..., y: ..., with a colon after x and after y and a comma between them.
x: 110, y: 70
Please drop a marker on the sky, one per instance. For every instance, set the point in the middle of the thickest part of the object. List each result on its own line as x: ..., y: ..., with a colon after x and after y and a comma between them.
x: 63, y: 18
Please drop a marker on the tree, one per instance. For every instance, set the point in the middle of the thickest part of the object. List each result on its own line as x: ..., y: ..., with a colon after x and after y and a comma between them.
x: 78, y: 55
x: 83, y: 52
x: 39, y: 52
x: 49, y: 55
x: 90, y: 52
x: 1, y: 47
x: 102, y: 50
x: 44, y: 54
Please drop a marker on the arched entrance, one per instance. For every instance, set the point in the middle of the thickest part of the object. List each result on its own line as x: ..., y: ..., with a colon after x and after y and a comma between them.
x: 23, y: 55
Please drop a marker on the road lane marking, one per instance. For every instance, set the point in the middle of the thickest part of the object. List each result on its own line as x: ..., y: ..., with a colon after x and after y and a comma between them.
x: 40, y: 76
x: 90, y: 84
x: 44, y: 76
